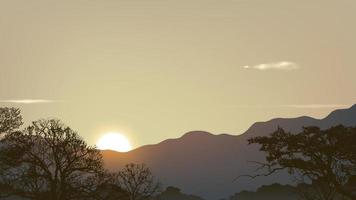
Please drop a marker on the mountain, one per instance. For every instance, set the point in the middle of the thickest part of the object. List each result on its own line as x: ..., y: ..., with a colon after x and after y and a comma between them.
x: 269, y: 192
x: 173, y: 193
x: 342, y: 116
x: 204, y: 164
x: 277, y: 191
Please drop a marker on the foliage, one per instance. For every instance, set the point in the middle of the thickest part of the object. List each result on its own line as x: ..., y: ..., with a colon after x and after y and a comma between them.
x: 327, y: 156
x: 10, y: 119
x: 281, y: 192
x: 48, y: 160
x: 103, y: 186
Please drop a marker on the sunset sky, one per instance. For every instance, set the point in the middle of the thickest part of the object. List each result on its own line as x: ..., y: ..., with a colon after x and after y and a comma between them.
x: 156, y: 69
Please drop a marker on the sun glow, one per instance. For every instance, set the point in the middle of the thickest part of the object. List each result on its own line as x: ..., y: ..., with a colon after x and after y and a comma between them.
x: 114, y: 141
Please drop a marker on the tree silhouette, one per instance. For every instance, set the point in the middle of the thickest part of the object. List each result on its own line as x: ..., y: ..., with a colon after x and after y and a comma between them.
x: 10, y: 119
x: 48, y: 160
x: 327, y: 156
x: 138, y: 181
x: 103, y: 186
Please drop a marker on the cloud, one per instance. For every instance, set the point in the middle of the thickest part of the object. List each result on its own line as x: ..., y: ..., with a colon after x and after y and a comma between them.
x: 27, y: 101
x: 298, y: 106
x: 283, y: 65
x: 317, y: 106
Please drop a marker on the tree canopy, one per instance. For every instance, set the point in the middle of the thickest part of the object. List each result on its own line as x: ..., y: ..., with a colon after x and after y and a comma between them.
x: 327, y: 156
x: 48, y: 160
x: 10, y: 119
x: 138, y: 181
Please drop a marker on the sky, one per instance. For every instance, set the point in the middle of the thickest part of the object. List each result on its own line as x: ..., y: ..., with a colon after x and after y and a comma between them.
x: 157, y: 69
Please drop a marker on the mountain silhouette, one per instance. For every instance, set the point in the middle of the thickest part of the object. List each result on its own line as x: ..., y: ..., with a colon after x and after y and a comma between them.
x: 269, y: 192
x: 206, y: 165
x: 173, y: 193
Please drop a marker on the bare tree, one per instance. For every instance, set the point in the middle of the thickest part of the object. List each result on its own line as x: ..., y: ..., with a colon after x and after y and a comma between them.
x: 48, y: 160
x: 103, y: 186
x: 138, y: 181
x: 10, y: 119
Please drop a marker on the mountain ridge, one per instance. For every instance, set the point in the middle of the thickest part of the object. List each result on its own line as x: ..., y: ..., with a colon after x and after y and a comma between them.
x: 304, y: 117
x: 205, y: 164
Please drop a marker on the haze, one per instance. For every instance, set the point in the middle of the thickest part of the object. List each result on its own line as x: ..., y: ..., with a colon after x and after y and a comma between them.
x: 157, y: 69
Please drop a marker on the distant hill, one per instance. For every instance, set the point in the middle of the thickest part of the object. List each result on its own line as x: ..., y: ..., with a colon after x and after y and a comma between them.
x: 270, y: 192
x: 173, y: 193
x: 277, y: 191
x: 205, y: 164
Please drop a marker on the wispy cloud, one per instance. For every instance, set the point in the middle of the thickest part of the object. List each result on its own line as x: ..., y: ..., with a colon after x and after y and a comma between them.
x: 27, y: 101
x: 283, y: 65
x: 317, y: 106
x: 298, y: 106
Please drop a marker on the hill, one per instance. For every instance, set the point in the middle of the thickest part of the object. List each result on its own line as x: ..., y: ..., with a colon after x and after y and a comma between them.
x: 269, y: 192
x: 173, y: 193
x: 205, y: 164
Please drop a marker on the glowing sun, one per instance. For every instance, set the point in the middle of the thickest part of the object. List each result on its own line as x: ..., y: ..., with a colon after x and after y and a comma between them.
x: 114, y: 141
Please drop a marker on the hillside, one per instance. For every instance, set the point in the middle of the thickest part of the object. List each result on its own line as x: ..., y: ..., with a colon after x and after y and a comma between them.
x: 204, y: 164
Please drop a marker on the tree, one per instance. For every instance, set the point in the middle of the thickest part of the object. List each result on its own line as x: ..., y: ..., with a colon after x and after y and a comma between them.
x: 138, y: 181
x: 317, y: 190
x: 103, y: 186
x: 48, y: 160
x: 327, y: 156
x: 10, y: 119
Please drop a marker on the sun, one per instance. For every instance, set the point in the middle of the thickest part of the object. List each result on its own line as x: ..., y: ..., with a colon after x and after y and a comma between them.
x: 114, y: 141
